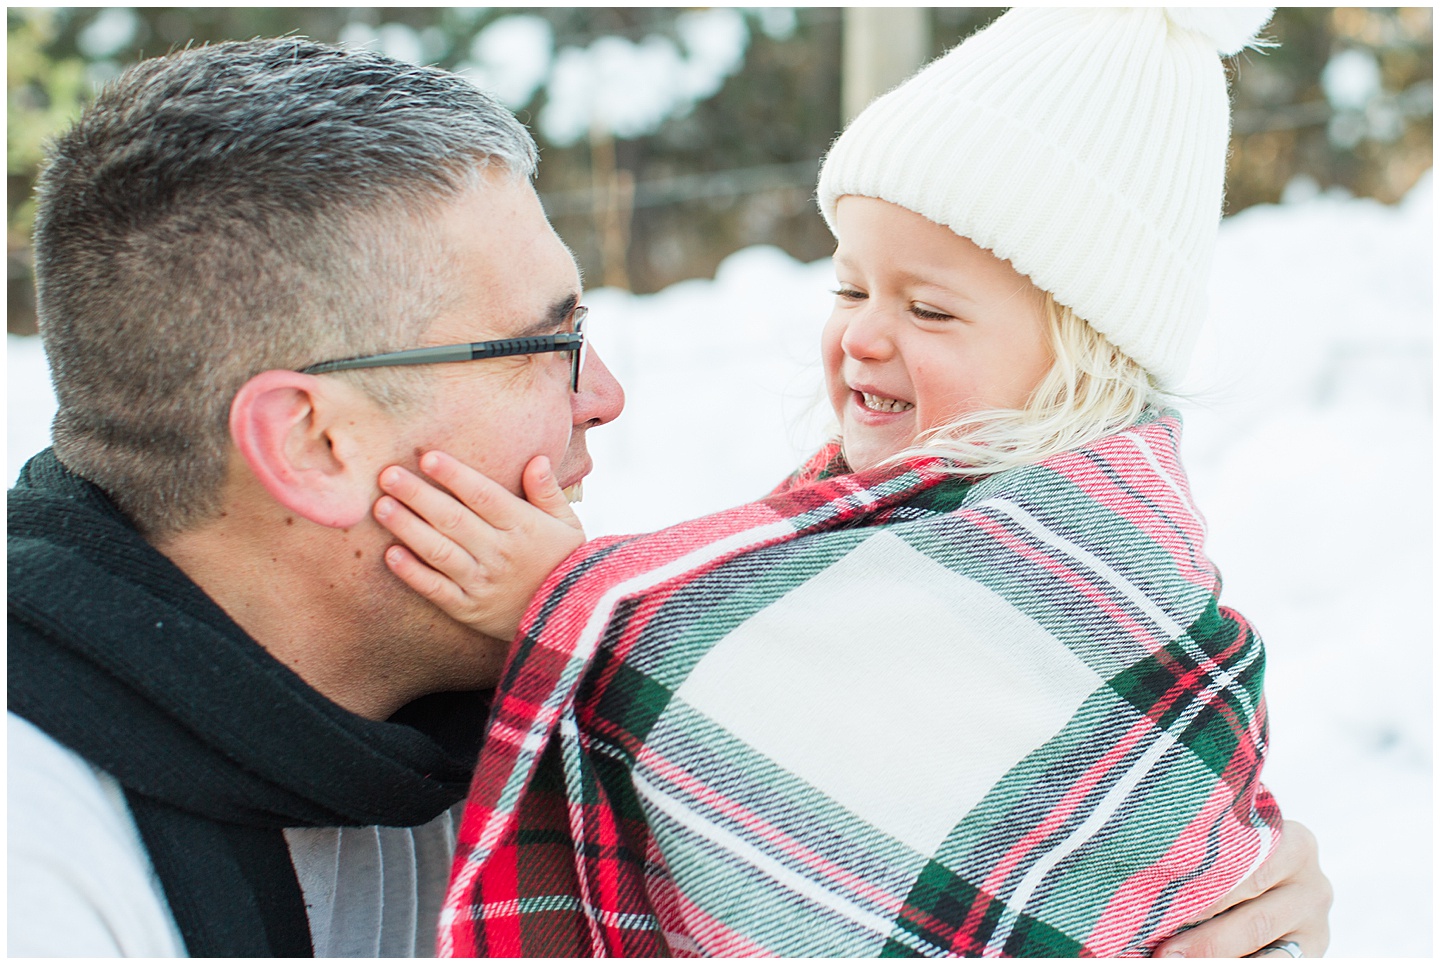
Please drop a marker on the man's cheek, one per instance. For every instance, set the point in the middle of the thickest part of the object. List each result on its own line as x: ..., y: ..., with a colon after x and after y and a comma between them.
x: 544, y: 434
x: 569, y: 458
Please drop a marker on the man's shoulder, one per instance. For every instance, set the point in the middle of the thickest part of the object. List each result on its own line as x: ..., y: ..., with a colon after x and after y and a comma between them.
x: 45, y: 775
x: 80, y: 881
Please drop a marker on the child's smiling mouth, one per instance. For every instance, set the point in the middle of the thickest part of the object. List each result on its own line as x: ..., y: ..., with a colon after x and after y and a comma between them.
x: 882, y: 403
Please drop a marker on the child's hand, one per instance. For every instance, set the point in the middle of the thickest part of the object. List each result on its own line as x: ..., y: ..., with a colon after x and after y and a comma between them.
x: 480, y: 554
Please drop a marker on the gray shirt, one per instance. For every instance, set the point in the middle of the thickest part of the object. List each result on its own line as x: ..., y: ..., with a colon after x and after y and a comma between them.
x: 81, y: 883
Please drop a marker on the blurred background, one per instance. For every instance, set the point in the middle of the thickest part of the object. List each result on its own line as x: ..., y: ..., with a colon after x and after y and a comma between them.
x: 679, y: 154
x: 675, y: 136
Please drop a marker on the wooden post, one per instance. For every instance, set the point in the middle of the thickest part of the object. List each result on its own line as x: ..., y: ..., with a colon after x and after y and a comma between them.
x: 882, y: 47
x: 613, y: 194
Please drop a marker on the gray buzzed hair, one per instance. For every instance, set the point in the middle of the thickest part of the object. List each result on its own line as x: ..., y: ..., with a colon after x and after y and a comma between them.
x: 234, y: 208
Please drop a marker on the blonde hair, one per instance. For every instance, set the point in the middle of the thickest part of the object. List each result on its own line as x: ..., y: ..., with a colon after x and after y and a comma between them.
x: 1091, y: 390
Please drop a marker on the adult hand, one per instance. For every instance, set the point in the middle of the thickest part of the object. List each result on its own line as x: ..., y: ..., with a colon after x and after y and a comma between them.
x: 1287, y: 899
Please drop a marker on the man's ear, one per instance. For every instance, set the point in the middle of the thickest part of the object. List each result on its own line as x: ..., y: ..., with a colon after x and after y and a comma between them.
x: 296, y: 434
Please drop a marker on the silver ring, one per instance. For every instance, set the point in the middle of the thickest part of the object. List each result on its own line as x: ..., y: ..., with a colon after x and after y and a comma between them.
x: 1289, y: 948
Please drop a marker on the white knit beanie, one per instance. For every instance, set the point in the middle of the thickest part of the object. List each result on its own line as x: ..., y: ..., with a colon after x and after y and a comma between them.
x: 1086, y: 146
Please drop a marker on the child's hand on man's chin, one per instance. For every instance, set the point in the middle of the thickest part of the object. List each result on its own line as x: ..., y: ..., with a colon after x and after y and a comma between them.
x: 478, y: 552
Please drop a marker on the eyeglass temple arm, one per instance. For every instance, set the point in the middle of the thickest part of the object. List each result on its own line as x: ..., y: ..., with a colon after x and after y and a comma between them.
x: 454, y: 353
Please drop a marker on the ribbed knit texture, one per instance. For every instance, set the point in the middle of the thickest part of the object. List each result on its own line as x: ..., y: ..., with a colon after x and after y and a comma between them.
x: 1085, y: 146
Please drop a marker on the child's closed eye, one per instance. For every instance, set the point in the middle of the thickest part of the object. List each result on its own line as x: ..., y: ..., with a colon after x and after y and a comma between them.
x: 920, y: 310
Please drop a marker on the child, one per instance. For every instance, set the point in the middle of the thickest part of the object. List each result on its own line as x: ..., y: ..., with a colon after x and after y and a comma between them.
x: 962, y: 684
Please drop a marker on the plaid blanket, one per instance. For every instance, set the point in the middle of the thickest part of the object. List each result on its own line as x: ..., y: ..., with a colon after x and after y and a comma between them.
x: 888, y: 713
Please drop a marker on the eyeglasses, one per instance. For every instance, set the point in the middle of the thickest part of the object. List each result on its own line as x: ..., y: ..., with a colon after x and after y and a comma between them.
x: 572, y: 342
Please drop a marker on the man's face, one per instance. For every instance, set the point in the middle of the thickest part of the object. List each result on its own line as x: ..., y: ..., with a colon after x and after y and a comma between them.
x: 508, y: 275
x: 512, y: 276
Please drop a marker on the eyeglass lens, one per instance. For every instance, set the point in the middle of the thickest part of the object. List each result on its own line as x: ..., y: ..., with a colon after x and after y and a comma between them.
x: 577, y: 358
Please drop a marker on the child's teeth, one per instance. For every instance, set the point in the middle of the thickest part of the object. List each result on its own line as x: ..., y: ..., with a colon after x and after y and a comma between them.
x: 575, y: 493
x: 880, y: 403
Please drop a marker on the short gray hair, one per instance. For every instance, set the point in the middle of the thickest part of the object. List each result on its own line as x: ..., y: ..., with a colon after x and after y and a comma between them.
x: 230, y: 209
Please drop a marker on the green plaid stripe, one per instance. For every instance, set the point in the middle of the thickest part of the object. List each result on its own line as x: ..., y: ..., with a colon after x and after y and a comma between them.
x: 1045, y: 741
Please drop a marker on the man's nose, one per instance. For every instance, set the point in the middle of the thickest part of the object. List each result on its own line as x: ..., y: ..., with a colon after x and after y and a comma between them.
x: 600, y: 398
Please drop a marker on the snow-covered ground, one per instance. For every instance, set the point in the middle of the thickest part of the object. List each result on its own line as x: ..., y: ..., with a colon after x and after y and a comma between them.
x: 1309, y: 438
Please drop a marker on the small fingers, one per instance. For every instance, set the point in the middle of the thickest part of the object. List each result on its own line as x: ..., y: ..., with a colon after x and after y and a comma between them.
x: 441, y: 510
x: 543, y: 491
x: 438, y: 589
x: 486, y: 498
x: 426, y: 541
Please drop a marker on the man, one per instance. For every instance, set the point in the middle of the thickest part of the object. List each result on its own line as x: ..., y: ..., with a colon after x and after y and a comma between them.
x: 219, y: 220
x: 232, y: 730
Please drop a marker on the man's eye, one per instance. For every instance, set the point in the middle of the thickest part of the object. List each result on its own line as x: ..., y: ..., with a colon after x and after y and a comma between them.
x: 849, y: 294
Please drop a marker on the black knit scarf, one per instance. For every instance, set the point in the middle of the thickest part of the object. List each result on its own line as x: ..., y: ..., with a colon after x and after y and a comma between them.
x: 116, y: 654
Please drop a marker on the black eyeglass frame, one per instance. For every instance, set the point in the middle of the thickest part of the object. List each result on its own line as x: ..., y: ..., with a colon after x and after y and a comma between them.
x: 572, y: 342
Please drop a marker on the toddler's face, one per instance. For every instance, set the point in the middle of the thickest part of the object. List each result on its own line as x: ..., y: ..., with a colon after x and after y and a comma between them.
x: 927, y: 326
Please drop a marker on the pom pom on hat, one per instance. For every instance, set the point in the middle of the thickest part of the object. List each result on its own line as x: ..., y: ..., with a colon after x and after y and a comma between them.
x: 1086, y: 146
x: 1229, y: 29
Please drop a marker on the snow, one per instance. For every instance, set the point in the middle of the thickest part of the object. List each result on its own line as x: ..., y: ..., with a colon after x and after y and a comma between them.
x: 716, y: 40
x: 511, y: 58
x: 1350, y: 79
x: 109, y: 33
x: 777, y: 23
x: 397, y: 40
x: 1309, y: 442
x: 630, y: 89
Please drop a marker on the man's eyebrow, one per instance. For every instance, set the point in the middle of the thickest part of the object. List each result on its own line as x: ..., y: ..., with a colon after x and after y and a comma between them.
x: 554, y: 318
